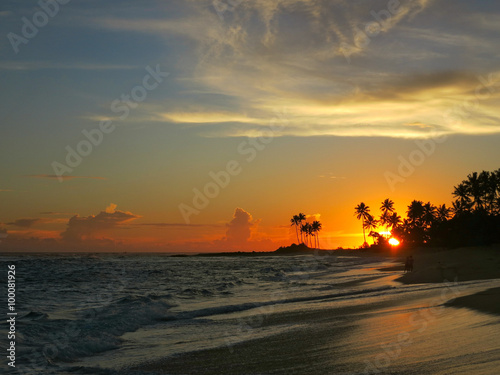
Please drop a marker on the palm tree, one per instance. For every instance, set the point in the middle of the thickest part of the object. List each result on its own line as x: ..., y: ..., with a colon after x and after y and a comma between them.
x: 460, y: 207
x: 363, y: 213
x: 370, y: 224
x: 443, y: 213
x: 461, y: 193
x: 301, y: 218
x: 491, y: 184
x: 495, y: 176
x: 394, y: 220
x: 475, y: 188
x: 415, y: 212
x: 295, y: 221
x: 387, y: 209
x: 374, y: 235
x: 307, y: 230
x: 429, y: 215
x: 316, y: 227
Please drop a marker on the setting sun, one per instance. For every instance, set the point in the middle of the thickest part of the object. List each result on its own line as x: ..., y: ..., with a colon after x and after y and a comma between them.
x: 393, y: 242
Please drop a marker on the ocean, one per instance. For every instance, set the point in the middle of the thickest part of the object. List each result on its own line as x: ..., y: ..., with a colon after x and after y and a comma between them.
x: 128, y: 314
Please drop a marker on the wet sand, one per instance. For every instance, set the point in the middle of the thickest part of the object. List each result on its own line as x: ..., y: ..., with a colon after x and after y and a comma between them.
x: 481, y: 263
x: 435, y: 328
x: 486, y: 301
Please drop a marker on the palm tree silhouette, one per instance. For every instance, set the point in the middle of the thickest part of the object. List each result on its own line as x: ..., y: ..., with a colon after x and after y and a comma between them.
x: 475, y: 187
x: 394, y: 221
x: 316, y: 227
x: 443, y: 213
x: 415, y: 212
x: 492, y: 188
x: 387, y: 209
x: 295, y: 221
x: 459, y: 207
x: 370, y: 225
x: 363, y: 213
x: 429, y: 215
x: 302, y: 217
x: 461, y: 193
x: 307, y: 230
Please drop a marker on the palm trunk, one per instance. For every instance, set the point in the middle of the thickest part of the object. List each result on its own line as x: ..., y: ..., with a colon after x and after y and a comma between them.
x: 364, y: 236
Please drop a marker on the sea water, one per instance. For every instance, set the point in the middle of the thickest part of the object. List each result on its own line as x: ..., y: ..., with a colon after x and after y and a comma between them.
x: 104, y: 314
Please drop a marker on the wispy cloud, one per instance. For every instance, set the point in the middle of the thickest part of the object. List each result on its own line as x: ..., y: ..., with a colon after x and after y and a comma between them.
x: 332, y: 176
x: 25, y: 223
x: 56, y: 177
x: 180, y: 225
x: 260, y: 59
x: 43, y: 65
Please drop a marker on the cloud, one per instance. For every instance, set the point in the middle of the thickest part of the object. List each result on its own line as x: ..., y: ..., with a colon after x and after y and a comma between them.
x: 56, y: 213
x: 179, y: 225
x: 239, y: 228
x: 25, y: 223
x: 206, y: 117
x: 111, y: 208
x: 332, y: 176
x: 312, y: 217
x: 42, y: 65
x: 241, y: 234
x: 56, y: 177
x: 91, y: 227
x: 263, y: 55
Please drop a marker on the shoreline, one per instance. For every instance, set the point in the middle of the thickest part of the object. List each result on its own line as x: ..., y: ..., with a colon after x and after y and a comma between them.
x: 463, y: 264
x: 350, y: 339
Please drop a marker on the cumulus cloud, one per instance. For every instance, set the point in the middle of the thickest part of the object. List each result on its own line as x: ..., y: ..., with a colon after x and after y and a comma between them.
x: 111, y: 208
x: 96, y: 226
x: 312, y: 217
x: 239, y: 228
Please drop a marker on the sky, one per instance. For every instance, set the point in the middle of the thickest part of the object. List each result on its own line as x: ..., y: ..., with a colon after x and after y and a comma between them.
x: 193, y: 125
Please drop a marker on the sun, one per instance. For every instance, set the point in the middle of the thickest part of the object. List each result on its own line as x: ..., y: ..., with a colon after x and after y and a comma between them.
x: 393, y: 242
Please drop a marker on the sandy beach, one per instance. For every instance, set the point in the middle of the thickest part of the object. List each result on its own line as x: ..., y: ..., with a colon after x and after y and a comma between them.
x: 463, y: 264
x: 444, y: 319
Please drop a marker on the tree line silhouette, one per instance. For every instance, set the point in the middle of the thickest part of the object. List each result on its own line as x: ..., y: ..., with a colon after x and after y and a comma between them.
x: 474, y: 218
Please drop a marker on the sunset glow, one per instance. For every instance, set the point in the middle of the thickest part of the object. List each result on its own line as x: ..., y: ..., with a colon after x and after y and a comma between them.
x: 393, y: 242
x: 181, y: 114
